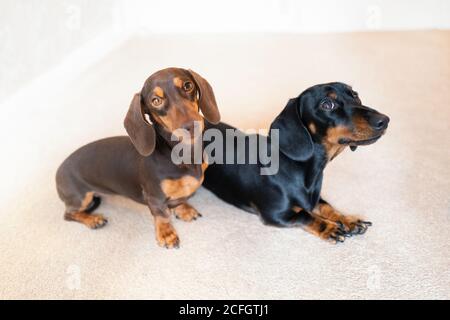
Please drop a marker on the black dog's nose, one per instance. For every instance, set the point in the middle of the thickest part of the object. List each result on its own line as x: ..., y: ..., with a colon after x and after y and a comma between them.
x: 379, y: 121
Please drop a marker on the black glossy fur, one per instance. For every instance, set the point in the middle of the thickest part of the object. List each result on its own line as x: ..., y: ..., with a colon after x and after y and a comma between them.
x: 311, y: 135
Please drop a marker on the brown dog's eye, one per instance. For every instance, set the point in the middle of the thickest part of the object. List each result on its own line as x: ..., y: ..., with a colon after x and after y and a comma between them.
x: 328, y: 104
x: 156, y: 101
x: 188, y: 86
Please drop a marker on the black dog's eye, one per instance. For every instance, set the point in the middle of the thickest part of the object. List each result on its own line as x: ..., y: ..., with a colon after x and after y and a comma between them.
x: 188, y: 86
x: 328, y: 104
x: 156, y: 101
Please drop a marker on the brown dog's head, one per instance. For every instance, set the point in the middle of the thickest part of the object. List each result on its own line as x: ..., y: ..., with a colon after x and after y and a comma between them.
x: 331, y: 114
x: 172, y: 98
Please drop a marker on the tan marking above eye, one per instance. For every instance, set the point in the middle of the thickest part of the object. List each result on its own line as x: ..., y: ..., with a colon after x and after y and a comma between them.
x: 332, y: 95
x: 312, y: 128
x: 178, y: 82
x: 159, y: 92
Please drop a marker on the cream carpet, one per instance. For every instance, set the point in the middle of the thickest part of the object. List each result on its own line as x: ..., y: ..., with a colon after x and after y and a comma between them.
x: 401, y: 183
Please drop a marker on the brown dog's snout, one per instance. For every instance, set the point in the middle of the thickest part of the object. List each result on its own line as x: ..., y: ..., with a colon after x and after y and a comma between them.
x: 190, y: 130
x: 189, y: 127
x: 379, y: 121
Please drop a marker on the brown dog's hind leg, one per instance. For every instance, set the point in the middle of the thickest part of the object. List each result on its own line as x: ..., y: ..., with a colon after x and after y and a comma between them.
x: 352, y: 225
x: 83, y: 215
x: 186, y: 212
x: 91, y: 220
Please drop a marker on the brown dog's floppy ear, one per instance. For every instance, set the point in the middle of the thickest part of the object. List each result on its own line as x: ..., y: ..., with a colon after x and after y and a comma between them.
x: 207, y: 102
x: 295, y: 140
x: 140, y: 131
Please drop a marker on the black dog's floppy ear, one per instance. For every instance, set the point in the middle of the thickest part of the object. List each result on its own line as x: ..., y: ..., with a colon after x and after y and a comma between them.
x: 295, y: 140
x: 207, y: 101
x: 141, y: 132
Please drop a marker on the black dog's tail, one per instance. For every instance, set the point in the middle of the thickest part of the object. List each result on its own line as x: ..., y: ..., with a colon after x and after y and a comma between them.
x: 96, y: 201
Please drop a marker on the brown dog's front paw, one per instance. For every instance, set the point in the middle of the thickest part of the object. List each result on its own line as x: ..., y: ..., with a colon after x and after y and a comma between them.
x: 166, y: 236
x: 186, y: 212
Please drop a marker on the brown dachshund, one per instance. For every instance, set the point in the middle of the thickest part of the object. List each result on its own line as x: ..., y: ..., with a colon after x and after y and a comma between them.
x: 139, y: 166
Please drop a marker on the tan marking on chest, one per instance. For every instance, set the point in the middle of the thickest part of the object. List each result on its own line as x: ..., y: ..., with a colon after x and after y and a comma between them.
x: 204, y: 166
x: 182, y: 187
x: 334, y: 150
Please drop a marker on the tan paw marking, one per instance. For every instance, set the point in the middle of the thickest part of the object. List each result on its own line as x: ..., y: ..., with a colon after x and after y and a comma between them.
x: 91, y: 220
x: 186, y: 212
x: 166, y: 236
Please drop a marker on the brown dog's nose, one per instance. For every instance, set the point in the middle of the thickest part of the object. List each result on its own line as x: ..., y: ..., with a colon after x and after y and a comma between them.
x: 190, y: 126
x: 379, y: 121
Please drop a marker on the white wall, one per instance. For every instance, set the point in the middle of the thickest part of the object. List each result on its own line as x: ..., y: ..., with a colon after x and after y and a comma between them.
x: 36, y: 35
x: 281, y: 15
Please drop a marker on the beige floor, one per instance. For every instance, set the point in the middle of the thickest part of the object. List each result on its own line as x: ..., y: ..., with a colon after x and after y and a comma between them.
x: 401, y: 183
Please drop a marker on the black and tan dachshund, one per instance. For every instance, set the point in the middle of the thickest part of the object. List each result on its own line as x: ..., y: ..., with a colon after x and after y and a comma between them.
x: 313, y: 129
x: 140, y: 166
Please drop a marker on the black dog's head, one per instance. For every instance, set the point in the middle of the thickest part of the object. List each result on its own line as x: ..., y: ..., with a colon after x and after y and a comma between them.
x: 331, y: 114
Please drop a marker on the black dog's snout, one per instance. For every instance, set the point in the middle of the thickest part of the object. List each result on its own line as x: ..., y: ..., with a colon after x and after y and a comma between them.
x: 379, y: 121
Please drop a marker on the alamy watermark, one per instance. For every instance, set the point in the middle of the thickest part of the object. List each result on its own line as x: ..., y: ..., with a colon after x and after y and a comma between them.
x: 373, y: 278
x: 229, y: 147
x: 73, y: 279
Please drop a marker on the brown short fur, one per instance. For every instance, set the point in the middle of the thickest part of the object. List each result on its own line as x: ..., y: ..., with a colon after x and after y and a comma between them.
x: 139, y: 166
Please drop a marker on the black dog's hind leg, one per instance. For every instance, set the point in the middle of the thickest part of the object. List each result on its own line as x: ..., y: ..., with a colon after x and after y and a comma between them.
x: 298, y: 217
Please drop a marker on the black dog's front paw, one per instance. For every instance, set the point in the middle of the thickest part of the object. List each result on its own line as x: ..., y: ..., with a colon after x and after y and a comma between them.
x: 327, y: 230
x: 335, y: 232
x: 353, y: 226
